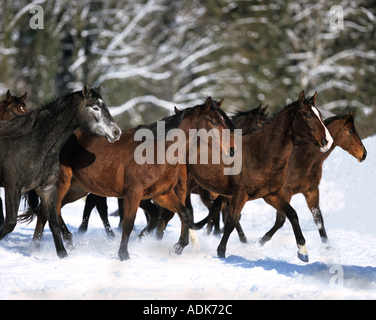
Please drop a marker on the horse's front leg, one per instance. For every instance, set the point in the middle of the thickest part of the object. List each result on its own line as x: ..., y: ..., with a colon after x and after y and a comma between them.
x: 48, y: 196
x: 131, y: 203
x: 279, y: 202
x: 312, y: 198
x: 12, y: 202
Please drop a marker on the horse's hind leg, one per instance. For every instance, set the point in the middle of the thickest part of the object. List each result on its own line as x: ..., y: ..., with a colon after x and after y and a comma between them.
x: 153, y: 214
x: 279, y: 222
x: 171, y: 202
x: 101, y: 203
x: 89, y: 206
x: 12, y: 202
x: 279, y: 202
x: 312, y: 198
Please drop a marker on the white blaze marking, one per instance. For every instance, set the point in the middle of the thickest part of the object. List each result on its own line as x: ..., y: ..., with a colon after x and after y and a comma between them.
x: 328, y: 137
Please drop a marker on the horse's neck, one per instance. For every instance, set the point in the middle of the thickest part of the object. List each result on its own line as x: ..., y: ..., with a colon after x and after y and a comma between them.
x: 59, y: 131
x: 277, y: 136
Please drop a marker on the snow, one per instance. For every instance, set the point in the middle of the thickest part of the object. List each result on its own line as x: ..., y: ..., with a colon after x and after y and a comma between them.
x: 346, y: 270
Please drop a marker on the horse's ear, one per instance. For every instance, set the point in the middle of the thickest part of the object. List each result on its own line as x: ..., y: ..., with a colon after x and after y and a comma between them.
x: 8, y: 97
x: 176, y: 110
x: 99, y: 88
x: 264, y: 110
x: 259, y: 108
x: 220, y: 103
x: 86, y: 91
x: 23, y: 98
x: 301, y: 96
x: 352, y: 114
x: 313, y: 98
x: 208, y: 104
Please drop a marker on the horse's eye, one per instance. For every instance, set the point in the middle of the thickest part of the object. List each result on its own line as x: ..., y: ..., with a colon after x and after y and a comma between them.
x: 95, y: 108
x: 213, y: 122
x: 351, y: 132
x: 307, y: 115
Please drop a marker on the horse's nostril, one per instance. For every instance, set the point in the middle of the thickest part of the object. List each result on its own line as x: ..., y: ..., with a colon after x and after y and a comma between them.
x: 364, y: 155
x: 116, y: 132
x: 232, y: 151
x: 324, y: 142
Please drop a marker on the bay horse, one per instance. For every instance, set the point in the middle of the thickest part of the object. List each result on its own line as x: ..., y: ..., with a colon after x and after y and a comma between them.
x: 305, y: 169
x: 112, y: 170
x: 9, y: 107
x: 30, y: 145
x: 265, y: 155
x: 249, y: 119
x: 254, y: 118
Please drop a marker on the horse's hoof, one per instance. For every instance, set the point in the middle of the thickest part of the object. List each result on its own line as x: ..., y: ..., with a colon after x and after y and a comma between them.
x: 243, y: 238
x: 221, y: 253
x: 303, y: 253
x: 303, y: 257
x: 260, y: 243
x: 110, y: 234
x: 123, y: 256
x: 62, y: 254
x: 178, y: 248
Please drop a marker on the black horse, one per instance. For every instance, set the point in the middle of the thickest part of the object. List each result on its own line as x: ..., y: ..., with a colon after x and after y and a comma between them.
x: 30, y: 145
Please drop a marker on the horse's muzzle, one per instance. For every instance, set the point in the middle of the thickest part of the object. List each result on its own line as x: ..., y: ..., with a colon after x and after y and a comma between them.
x: 364, y: 156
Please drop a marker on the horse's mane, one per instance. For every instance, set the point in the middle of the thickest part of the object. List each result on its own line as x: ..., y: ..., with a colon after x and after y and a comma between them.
x: 174, y: 121
x: 328, y: 121
x: 171, y: 122
x: 290, y: 106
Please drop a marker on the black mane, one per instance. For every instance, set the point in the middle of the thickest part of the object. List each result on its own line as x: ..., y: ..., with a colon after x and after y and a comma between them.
x: 171, y: 122
x: 328, y: 121
x: 174, y: 121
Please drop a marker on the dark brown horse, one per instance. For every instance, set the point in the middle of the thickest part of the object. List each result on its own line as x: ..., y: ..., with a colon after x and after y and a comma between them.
x: 305, y: 169
x: 250, y: 119
x: 265, y: 155
x: 116, y: 170
x: 9, y: 107
x: 12, y: 105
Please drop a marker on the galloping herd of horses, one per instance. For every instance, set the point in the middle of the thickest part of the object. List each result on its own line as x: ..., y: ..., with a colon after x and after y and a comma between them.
x: 71, y: 147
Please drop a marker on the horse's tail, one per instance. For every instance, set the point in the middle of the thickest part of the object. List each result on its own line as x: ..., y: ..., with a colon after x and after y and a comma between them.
x: 32, y: 203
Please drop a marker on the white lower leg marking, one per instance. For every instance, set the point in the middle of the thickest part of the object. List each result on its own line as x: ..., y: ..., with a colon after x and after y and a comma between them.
x: 303, y: 250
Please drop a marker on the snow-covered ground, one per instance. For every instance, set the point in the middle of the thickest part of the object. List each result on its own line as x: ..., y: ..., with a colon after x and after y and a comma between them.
x: 347, y: 270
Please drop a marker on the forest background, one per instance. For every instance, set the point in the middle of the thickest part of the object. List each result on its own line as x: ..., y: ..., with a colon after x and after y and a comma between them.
x: 152, y: 55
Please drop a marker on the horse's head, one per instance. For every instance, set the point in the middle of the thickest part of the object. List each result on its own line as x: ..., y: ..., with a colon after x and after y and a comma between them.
x: 212, y: 117
x: 13, y: 105
x: 252, y: 119
x: 260, y: 116
x: 348, y: 138
x: 308, y: 124
x: 96, y: 119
